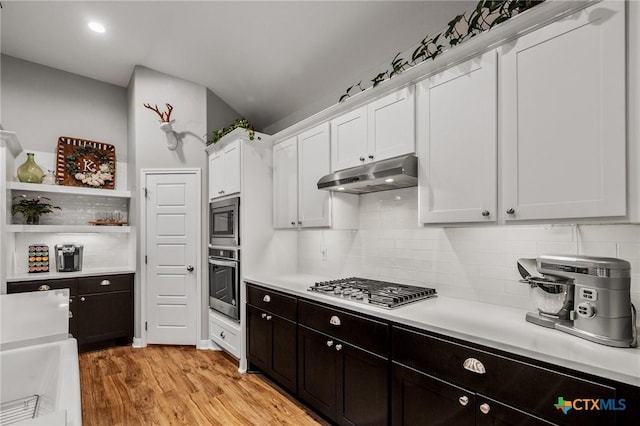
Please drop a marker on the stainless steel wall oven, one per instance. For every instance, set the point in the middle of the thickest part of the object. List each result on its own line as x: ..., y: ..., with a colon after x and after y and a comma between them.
x: 224, y: 281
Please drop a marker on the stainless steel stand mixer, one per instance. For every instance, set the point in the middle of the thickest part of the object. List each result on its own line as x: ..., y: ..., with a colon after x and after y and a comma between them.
x: 589, y: 297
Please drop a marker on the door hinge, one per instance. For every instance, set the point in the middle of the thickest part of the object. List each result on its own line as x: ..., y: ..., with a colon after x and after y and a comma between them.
x: 146, y: 193
x: 145, y: 259
x: 145, y: 326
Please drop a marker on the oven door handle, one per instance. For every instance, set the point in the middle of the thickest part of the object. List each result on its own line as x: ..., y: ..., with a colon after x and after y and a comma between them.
x: 229, y: 264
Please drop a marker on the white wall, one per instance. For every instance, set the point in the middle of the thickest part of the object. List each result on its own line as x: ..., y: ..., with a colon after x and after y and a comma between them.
x: 41, y: 104
x: 193, y: 109
x: 474, y: 263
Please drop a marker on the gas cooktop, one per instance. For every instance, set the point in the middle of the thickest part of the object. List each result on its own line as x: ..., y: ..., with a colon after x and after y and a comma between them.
x: 379, y: 293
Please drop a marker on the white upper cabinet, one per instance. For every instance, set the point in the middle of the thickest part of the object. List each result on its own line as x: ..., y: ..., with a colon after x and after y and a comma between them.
x: 563, y: 118
x: 379, y: 130
x: 314, y: 206
x: 457, y: 143
x: 224, y: 170
x: 285, y: 184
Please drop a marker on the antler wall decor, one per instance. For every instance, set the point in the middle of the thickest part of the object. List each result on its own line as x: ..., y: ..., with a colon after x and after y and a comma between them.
x: 166, y: 125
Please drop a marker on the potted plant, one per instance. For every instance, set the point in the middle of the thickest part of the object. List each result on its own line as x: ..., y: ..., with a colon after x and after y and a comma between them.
x: 32, y: 208
x: 240, y: 123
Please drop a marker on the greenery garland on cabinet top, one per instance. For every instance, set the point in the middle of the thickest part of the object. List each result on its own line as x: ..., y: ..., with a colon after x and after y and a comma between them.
x: 486, y: 15
x: 240, y: 123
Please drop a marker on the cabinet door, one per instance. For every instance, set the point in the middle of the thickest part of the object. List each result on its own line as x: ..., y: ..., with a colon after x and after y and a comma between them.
x: 258, y: 339
x: 285, y: 184
x: 457, y: 143
x: 363, y: 387
x: 105, y: 316
x: 224, y: 171
x: 231, y: 168
x: 391, y: 123
x: 314, y: 205
x: 349, y: 139
x: 563, y: 118
x: 283, y: 352
x: 419, y: 399
x: 317, y: 371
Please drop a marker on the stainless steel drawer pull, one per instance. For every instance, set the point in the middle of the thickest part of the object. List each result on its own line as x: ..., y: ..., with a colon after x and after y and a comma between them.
x: 329, y: 343
x: 266, y: 298
x: 44, y: 287
x: 474, y: 366
x: 463, y: 400
x: 485, y: 408
x: 334, y: 320
x: 105, y: 282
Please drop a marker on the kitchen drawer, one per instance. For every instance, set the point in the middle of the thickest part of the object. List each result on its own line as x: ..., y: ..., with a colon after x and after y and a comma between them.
x: 106, y: 283
x: 363, y: 332
x: 518, y: 383
x: 225, y: 336
x: 24, y: 286
x: 272, y: 301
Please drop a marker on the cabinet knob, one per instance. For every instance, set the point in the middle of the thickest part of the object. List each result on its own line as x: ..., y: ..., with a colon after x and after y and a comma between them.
x: 263, y: 315
x: 474, y: 365
x: 485, y: 408
x: 338, y: 347
x: 266, y: 298
x: 222, y: 334
x: 485, y: 213
x: 511, y: 211
x: 334, y: 320
x: 299, y: 222
x: 70, y: 314
x: 371, y: 157
x: 190, y: 268
x: 44, y: 287
x: 105, y: 282
x: 82, y: 299
x: 269, y: 317
x: 329, y: 343
x: 361, y: 158
x: 463, y: 400
x: 220, y: 192
x: 293, y: 223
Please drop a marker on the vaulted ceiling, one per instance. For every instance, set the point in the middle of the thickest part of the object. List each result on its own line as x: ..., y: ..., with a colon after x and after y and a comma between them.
x: 273, y: 62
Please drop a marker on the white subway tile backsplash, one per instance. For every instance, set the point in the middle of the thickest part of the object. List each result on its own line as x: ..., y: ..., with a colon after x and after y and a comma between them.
x: 473, y: 262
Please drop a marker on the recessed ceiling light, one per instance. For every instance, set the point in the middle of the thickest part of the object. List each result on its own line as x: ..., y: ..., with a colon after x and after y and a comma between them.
x: 97, y: 27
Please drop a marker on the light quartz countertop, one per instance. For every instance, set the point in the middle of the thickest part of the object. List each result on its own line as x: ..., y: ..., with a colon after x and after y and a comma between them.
x: 54, y: 275
x: 494, y: 326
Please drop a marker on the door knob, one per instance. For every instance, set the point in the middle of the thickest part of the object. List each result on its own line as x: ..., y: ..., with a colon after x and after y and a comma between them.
x: 190, y: 268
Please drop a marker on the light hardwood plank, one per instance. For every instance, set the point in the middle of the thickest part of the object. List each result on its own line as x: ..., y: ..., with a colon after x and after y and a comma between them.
x: 179, y: 385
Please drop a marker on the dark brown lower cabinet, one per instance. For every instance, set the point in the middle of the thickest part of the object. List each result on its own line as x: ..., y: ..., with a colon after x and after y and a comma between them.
x: 272, y: 346
x: 420, y: 399
x: 100, y: 307
x: 348, y: 385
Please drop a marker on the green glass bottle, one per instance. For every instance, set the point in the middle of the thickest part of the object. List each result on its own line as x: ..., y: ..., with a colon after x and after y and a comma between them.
x: 29, y: 171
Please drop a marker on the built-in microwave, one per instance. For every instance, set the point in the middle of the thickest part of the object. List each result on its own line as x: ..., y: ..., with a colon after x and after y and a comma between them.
x: 224, y: 222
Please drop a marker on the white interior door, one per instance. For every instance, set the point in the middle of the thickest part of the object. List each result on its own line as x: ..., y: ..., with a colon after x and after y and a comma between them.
x: 172, y: 240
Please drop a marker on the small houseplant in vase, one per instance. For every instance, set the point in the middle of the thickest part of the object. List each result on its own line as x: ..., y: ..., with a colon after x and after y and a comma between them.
x: 32, y: 208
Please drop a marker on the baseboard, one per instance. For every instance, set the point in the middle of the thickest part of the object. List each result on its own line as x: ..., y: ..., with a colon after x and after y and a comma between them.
x: 204, y: 345
x: 138, y: 343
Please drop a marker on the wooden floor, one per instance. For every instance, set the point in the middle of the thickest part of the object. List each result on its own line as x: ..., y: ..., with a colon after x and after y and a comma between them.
x: 179, y: 385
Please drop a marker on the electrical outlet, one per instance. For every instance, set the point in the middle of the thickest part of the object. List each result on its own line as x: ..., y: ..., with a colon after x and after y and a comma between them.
x: 323, y: 252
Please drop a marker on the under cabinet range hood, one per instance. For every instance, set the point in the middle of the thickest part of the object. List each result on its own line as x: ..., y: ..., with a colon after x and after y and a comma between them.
x: 394, y: 173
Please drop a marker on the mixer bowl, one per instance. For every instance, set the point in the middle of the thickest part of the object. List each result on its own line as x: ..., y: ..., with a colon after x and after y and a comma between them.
x: 549, y: 298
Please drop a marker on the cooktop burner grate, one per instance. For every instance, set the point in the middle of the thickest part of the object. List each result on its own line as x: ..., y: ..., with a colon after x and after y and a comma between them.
x: 379, y: 293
